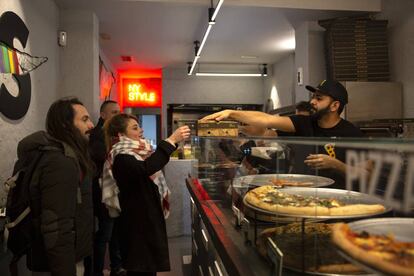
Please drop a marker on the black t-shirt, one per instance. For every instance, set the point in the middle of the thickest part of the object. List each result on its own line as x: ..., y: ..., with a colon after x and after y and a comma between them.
x: 308, y: 127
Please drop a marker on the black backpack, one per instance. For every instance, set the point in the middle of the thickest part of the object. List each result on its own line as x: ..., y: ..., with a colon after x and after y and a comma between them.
x: 23, y: 206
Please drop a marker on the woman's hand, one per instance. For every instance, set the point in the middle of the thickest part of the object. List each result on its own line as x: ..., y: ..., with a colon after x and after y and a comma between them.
x: 179, y: 134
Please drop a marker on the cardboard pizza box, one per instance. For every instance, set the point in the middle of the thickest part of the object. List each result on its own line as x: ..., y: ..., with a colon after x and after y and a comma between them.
x: 222, y: 128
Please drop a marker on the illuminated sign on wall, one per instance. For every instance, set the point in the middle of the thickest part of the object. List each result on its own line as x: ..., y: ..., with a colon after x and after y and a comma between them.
x: 141, y: 92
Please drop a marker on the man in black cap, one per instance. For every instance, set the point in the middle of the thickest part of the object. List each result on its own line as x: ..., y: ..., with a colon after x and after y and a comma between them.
x: 328, y: 101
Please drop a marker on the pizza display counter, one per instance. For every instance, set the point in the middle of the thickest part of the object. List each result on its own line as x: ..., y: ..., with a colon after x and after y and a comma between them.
x: 262, y: 212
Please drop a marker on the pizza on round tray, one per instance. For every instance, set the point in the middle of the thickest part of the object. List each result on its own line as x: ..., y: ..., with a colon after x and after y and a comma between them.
x: 269, y: 198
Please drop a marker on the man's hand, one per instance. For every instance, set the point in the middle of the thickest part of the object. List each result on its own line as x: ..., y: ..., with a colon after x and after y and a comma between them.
x: 323, y: 161
x: 179, y: 134
x: 218, y: 116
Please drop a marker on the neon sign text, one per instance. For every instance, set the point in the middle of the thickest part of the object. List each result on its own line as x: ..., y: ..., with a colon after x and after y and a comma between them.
x: 134, y: 94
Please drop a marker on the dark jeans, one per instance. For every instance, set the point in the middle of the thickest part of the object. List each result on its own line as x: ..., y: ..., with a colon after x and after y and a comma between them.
x: 107, y: 233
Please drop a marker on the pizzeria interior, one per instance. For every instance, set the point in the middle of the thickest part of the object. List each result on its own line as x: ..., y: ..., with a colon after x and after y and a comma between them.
x: 245, y: 199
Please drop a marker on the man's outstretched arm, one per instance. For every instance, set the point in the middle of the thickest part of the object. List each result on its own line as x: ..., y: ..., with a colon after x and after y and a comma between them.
x: 253, y: 118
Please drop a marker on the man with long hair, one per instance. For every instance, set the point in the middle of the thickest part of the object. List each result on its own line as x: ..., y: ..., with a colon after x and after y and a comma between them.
x: 65, y: 212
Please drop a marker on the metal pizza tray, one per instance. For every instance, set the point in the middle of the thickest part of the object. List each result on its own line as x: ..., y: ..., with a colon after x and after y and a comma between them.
x: 401, y: 228
x: 266, y: 217
x: 330, y: 274
x: 345, y: 196
x: 257, y: 180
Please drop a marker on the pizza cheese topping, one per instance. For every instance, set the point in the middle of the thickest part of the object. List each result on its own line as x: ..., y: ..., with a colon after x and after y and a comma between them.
x: 385, y: 246
x: 270, y: 199
x: 380, y: 251
x: 276, y: 197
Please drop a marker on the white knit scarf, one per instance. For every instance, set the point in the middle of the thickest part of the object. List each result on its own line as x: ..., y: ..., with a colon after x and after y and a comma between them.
x: 140, y: 150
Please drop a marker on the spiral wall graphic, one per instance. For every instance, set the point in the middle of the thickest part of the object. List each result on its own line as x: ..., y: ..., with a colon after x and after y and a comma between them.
x: 14, y: 108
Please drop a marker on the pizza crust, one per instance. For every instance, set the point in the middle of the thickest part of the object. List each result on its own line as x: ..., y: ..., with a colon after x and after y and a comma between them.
x: 340, y: 238
x: 357, y: 209
x: 337, y: 269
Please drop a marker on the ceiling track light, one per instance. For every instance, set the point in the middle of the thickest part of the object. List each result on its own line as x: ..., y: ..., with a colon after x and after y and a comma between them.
x: 264, y: 69
x: 263, y: 73
x: 212, y: 14
x: 206, y: 74
x: 204, y: 39
x: 213, y: 17
x: 196, y: 47
x: 190, y: 72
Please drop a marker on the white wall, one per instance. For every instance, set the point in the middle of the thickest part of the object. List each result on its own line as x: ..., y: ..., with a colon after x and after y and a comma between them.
x: 302, y: 58
x: 283, y: 78
x: 317, y: 59
x: 309, y: 55
x: 41, y: 18
x: 80, y: 58
x: 178, y: 87
x: 400, y: 16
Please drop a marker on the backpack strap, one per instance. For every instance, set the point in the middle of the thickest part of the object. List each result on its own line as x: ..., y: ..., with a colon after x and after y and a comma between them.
x: 9, y: 184
x: 11, y: 181
x: 18, y: 219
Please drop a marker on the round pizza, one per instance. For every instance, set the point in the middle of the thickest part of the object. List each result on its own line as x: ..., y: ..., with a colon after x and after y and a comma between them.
x: 269, y: 198
x: 381, y: 252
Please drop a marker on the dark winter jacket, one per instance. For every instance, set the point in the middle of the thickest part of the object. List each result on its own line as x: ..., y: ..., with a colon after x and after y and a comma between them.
x: 65, y: 213
x: 143, y: 235
x: 98, y: 154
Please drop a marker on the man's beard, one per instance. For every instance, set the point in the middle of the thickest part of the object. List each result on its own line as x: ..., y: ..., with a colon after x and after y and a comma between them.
x: 318, y: 114
x: 83, y: 138
x: 87, y: 135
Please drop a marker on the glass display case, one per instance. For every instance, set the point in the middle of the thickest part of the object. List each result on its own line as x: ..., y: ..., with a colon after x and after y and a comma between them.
x: 268, y: 206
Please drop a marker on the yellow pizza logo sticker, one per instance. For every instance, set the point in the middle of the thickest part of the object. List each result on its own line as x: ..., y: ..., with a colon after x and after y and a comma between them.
x: 330, y: 150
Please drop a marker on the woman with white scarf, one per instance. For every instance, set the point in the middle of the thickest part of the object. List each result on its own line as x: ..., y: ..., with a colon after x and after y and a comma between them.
x: 134, y: 189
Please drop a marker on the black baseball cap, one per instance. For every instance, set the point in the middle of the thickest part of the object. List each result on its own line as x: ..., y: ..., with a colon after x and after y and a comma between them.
x: 331, y: 88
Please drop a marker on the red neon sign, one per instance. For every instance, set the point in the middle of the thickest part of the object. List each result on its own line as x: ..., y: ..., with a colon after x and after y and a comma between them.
x: 141, y: 92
